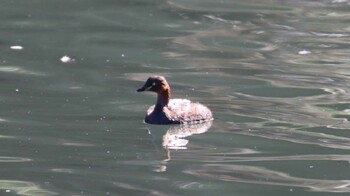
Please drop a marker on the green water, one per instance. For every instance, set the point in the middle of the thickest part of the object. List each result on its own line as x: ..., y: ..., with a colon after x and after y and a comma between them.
x: 274, y: 73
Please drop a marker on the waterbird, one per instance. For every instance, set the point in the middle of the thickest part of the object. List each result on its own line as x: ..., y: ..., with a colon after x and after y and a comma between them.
x: 172, y: 111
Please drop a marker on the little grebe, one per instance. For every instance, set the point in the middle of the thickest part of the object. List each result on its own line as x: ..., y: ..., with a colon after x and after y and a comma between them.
x: 172, y: 111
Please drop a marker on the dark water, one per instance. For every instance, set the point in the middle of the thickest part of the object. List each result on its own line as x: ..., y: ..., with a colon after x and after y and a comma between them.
x: 274, y: 73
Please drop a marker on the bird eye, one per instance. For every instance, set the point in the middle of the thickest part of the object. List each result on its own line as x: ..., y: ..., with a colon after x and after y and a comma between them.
x: 153, y: 84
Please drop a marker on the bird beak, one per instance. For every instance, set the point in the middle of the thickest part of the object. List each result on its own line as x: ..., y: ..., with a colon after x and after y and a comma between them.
x: 141, y: 89
x: 145, y: 87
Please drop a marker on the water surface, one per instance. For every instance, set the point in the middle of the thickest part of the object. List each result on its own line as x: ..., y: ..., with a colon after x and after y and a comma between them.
x: 274, y: 73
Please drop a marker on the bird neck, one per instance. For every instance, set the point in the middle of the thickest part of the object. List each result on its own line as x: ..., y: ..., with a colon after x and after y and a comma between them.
x: 162, y: 99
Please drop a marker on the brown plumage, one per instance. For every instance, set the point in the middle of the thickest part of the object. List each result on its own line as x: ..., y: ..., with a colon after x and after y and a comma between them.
x: 172, y: 111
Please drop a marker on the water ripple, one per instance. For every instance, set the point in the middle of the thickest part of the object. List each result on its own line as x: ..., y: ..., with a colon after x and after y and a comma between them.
x: 260, y: 175
x: 23, y: 188
x: 19, y: 70
x: 218, y: 157
x: 132, y: 188
x: 299, y: 137
x: 13, y: 159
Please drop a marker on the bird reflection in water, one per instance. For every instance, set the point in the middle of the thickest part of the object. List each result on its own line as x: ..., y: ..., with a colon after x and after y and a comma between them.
x: 176, y: 139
